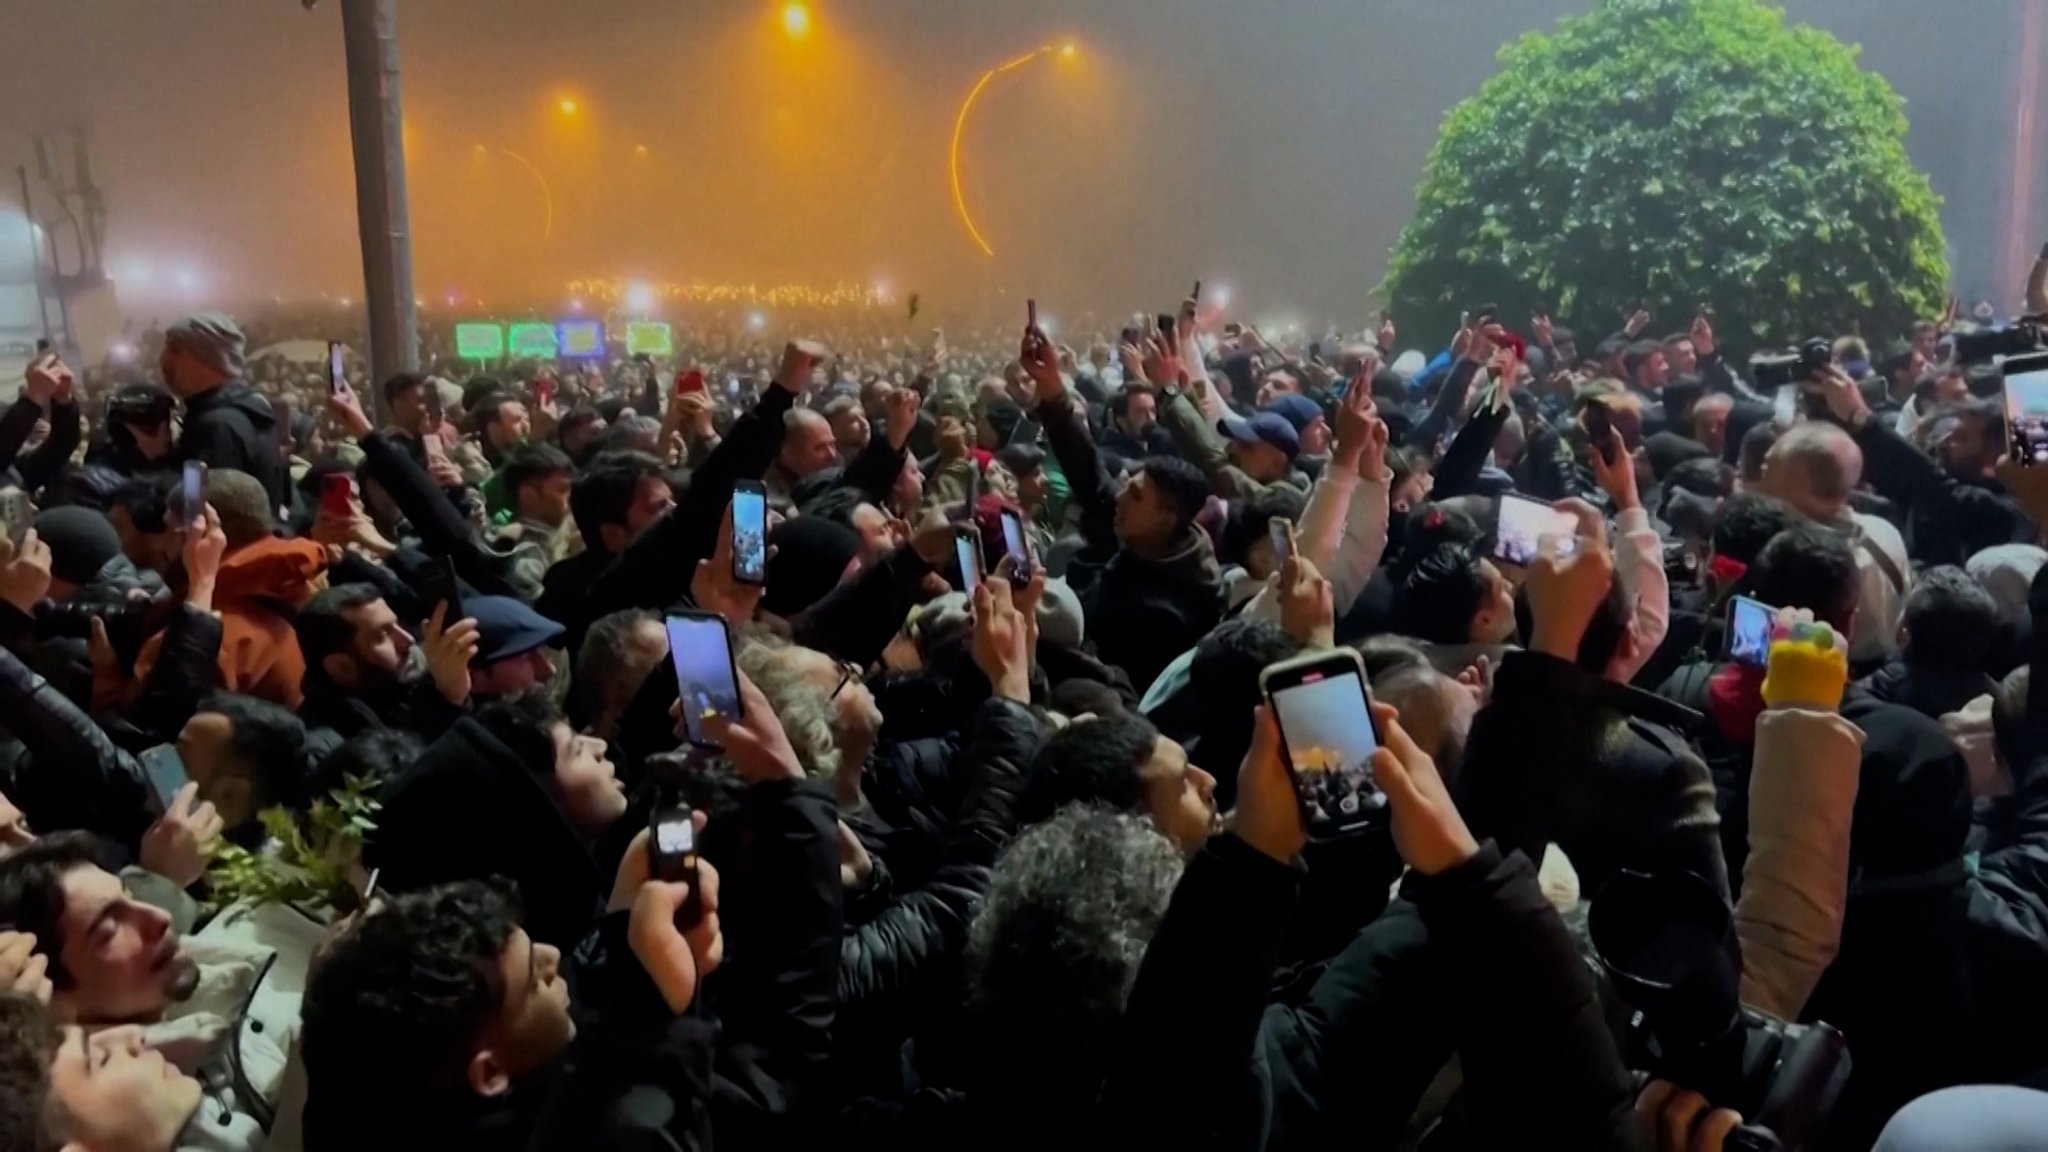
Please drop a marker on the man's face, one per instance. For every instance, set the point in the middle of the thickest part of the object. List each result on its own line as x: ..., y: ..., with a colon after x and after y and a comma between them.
x: 587, y: 785
x: 1142, y: 516
x: 1179, y: 797
x: 873, y: 525
x: 533, y: 1027
x: 409, y: 408
x: 513, y: 674
x: 510, y: 426
x: 378, y: 652
x: 855, y: 712
x: 577, y: 440
x: 118, y: 1095
x: 1967, y: 451
x: 1653, y: 371
x: 1142, y: 412
x: 850, y: 430
x: 123, y: 958
x: 1315, y: 439
x: 908, y: 491
x: 546, y: 500
x: 152, y: 550
x: 184, y: 374
x: 1681, y: 356
x: 1952, y: 389
x: 1032, y: 488
x: 1275, y: 386
x: 1494, y: 623
x: 206, y: 745
x: 14, y: 830
x: 809, y: 447
x: 652, y: 498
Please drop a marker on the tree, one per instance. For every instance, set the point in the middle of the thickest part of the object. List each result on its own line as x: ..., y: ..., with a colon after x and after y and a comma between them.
x: 1673, y: 153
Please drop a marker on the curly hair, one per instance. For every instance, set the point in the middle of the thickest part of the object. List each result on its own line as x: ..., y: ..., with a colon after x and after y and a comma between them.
x: 398, y: 1001
x: 1055, y: 947
x: 804, y: 708
x: 31, y: 1119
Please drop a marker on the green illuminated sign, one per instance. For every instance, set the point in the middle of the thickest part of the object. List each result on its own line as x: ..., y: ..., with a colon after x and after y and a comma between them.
x: 533, y: 341
x: 479, y: 341
x: 650, y: 338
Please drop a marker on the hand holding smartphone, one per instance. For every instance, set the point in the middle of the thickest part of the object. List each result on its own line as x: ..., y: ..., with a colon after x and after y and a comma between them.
x: 1328, y: 734
x: 750, y: 532
x: 967, y: 553
x: 1280, y: 530
x: 442, y: 588
x: 1522, y: 525
x: 192, y: 493
x: 1017, y: 544
x: 337, y: 369
x: 707, y: 679
x: 2026, y: 408
x: 672, y: 857
x: 1749, y: 631
x: 1600, y: 431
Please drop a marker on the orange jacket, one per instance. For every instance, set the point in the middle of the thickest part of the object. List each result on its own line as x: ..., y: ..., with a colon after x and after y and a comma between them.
x: 258, y: 586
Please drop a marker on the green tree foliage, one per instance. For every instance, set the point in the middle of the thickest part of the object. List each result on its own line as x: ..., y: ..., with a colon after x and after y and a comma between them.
x: 1677, y: 152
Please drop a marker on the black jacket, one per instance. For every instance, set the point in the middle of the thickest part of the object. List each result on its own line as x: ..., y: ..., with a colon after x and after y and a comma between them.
x: 1555, y: 758
x: 1142, y: 612
x: 1930, y: 692
x: 69, y: 775
x: 332, y: 716
x: 1948, y: 519
x: 471, y: 808
x: 233, y: 427
x: 901, y: 966
x: 52, y: 457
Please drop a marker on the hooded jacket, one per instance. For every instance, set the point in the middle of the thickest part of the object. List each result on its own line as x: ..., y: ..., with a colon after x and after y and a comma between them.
x: 259, y: 588
x: 233, y: 427
x: 469, y: 809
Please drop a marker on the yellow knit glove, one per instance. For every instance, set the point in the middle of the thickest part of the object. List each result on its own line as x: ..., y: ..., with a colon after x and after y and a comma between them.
x: 1809, y: 664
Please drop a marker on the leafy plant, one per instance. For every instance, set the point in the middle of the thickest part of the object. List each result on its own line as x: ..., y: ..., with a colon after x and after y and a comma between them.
x: 1674, y: 153
x: 313, y: 865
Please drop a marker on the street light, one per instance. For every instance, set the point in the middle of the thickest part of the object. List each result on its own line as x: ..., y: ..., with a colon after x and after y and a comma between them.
x: 1066, y: 50
x: 796, y: 20
x: 568, y: 106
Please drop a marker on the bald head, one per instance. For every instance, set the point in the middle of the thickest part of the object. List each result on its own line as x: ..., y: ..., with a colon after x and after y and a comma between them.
x: 1814, y: 467
x: 807, y: 443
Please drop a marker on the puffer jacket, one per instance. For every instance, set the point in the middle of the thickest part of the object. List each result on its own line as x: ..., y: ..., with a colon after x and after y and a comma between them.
x: 233, y: 426
x: 903, y: 964
x: 259, y: 588
x: 69, y: 775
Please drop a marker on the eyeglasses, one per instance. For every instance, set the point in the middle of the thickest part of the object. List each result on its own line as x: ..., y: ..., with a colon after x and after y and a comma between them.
x: 848, y: 673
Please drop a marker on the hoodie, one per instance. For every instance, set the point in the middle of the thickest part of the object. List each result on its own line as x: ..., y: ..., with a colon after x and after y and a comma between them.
x: 233, y: 427
x: 259, y: 589
x: 1143, y: 611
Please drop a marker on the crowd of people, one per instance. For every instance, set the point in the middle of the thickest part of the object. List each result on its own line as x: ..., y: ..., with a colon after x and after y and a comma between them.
x: 305, y: 844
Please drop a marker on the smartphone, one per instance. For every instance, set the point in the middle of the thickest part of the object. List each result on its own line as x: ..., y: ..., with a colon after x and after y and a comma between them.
x: 337, y: 491
x: 749, y: 532
x: 543, y: 391
x: 1785, y: 405
x: 17, y: 512
x: 967, y: 551
x: 1167, y: 324
x: 2026, y: 407
x: 707, y: 680
x: 672, y: 856
x: 1749, y: 631
x: 1483, y: 314
x: 430, y: 395
x: 337, y: 375
x: 1524, y: 522
x: 165, y: 769
x: 1017, y: 544
x: 971, y: 495
x: 1328, y: 735
x: 1031, y: 313
x: 442, y: 588
x: 688, y: 382
x: 1195, y: 293
x: 192, y: 494
x: 1281, y: 531
x: 1600, y: 432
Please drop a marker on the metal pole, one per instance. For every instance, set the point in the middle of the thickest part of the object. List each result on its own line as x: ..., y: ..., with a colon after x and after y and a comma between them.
x: 376, y: 126
x: 35, y: 256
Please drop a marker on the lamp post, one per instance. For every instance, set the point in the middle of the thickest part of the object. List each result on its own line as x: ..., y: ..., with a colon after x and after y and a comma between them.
x: 376, y: 129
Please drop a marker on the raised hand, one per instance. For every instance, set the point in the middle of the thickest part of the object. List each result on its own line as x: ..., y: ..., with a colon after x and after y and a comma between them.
x: 799, y: 359
x: 25, y: 579
x: 713, y: 586
x: 902, y: 406
x: 1268, y: 814
x: 1307, y: 612
x: 449, y: 649
x: 1637, y: 321
x: 1702, y: 334
x: 755, y: 743
x: 1618, y: 479
x: 1162, y: 362
x: 181, y: 841
x: 1565, y: 592
x: 23, y: 970
x: 1041, y: 362
x: 1002, y: 640
x: 1428, y: 831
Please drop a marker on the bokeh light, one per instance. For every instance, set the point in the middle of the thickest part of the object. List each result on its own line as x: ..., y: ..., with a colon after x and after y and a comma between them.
x: 796, y: 20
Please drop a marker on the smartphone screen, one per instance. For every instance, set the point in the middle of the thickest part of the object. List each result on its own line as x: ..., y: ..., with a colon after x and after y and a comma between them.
x: 1016, y: 542
x: 673, y: 844
x: 335, y: 496
x: 688, y: 382
x: 544, y: 391
x: 749, y: 533
x: 967, y: 551
x: 193, y: 494
x: 1599, y: 431
x: 17, y: 512
x: 1785, y: 405
x: 1167, y: 325
x: 165, y: 769
x: 1327, y: 730
x: 1281, y: 532
x: 1524, y: 522
x: 2026, y: 407
x: 706, y: 682
x: 337, y: 375
x: 1749, y: 631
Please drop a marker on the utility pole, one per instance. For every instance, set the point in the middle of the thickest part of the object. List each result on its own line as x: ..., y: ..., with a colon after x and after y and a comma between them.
x: 376, y: 128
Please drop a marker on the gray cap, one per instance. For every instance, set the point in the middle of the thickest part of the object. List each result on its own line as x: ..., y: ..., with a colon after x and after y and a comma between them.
x: 213, y: 339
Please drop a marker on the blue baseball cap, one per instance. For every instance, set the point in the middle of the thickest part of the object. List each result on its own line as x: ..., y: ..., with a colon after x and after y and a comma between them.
x: 507, y: 628
x: 1296, y: 409
x: 1266, y: 427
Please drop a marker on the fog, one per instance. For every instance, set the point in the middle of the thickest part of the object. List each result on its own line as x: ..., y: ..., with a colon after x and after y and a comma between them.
x: 1272, y: 146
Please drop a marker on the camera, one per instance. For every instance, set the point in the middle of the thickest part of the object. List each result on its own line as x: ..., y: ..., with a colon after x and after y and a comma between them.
x: 1667, y: 946
x: 1795, y: 367
x: 2016, y: 339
